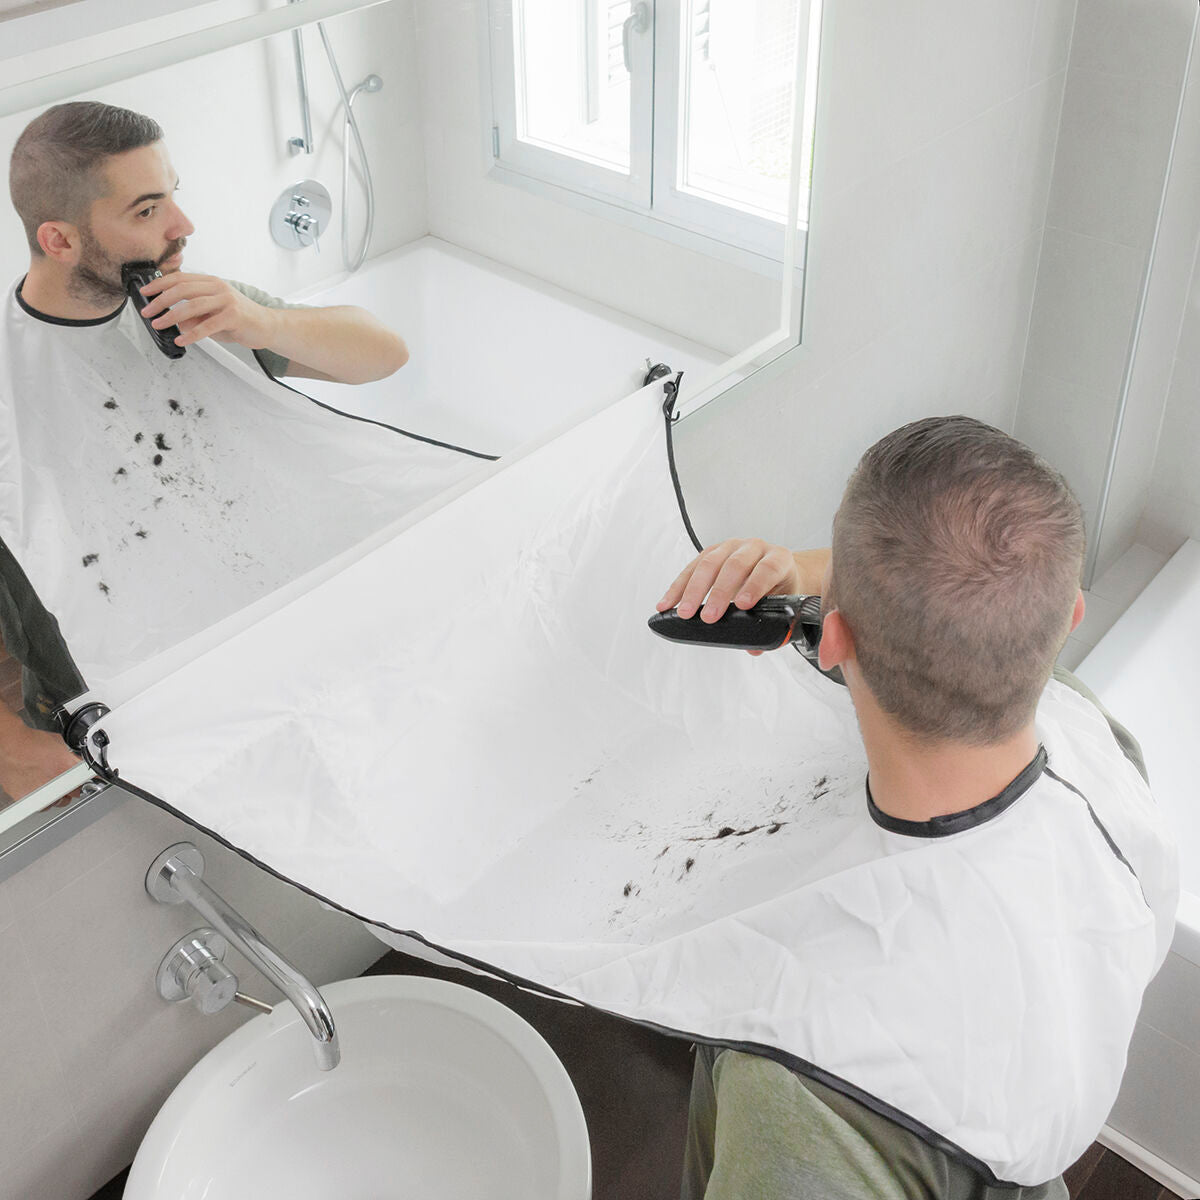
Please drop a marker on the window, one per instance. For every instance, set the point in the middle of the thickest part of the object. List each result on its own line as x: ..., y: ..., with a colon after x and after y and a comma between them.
x: 681, y: 109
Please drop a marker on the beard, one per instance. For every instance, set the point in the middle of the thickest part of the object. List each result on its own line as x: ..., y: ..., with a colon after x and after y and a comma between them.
x: 96, y: 278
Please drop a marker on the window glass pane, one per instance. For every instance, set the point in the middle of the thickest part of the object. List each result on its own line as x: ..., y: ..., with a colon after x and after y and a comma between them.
x: 739, y: 79
x: 572, y: 85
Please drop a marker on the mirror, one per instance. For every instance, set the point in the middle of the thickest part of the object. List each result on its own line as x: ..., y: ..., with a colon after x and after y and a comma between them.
x: 543, y: 239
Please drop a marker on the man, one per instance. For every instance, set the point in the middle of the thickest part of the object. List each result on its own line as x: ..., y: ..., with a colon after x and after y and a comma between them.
x: 94, y: 187
x: 951, y: 586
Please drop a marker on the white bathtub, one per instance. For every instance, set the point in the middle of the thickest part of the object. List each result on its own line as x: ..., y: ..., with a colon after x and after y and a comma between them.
x: 497, y: 356
x: 1146, y: 669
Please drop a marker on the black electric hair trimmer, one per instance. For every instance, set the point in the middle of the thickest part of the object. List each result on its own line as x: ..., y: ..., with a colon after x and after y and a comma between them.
x: 773, y: 622
x: 134, y: 275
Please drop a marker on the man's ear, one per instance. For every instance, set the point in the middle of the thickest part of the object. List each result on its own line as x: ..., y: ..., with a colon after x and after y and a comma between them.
x: 59, y: 240
x: 837, y: 642
x: 1077, y: 615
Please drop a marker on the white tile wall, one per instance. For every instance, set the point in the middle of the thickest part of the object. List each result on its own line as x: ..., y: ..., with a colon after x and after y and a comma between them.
x: 1115, y: 36
x: 1054, y: 413
x: 1082, y: 320
x: 1173, y: 511
x: 1109, y: 596
x: 1115, y: 138
x: 1159, y: 352
x: 1124, y: 86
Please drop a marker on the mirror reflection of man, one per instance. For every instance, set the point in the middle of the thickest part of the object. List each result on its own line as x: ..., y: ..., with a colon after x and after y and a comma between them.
x: 95, y: 188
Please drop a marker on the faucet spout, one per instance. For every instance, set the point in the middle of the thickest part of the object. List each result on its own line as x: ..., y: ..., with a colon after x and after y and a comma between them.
x: 175, y: 877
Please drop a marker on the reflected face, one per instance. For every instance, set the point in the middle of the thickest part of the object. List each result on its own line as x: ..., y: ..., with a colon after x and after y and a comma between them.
x: 136, y: 218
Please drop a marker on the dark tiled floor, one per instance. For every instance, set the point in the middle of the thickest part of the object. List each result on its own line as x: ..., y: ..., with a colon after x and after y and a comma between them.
x: 633, y: 1085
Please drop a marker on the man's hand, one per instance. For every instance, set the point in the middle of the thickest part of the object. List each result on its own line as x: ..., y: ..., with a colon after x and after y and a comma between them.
x: 205, y: 306
x: 742, y: 571
x: 340, y: 343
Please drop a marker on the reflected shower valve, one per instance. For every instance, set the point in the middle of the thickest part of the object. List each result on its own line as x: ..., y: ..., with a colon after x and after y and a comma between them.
x: 300, y: 215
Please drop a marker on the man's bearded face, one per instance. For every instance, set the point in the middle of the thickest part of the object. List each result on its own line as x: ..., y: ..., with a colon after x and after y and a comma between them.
x: 96, y: 277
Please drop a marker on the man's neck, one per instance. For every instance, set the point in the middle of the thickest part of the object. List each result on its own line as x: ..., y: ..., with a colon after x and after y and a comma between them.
x: 46, y: 290
x: 915, y: 780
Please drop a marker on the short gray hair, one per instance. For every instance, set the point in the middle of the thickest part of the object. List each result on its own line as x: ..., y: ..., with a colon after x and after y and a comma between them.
x: 957, y: 554
x: 56, y: 168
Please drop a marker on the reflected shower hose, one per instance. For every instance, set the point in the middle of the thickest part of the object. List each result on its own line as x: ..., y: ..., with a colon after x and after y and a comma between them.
x: 350, y: 126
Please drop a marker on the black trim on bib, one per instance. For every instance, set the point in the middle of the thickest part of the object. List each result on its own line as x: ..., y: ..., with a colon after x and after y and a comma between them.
x: 1112, y: 845
x: 416, y: 437
x: 49, y: 320
x: 969, y: 818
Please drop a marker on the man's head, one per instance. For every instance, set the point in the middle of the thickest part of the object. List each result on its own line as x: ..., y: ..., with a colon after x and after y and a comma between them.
x: 957, y: 554
x: 93, y: 186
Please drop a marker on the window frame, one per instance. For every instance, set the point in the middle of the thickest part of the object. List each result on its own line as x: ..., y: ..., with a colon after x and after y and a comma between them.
x: 574, y: 173
x: 648, y: 199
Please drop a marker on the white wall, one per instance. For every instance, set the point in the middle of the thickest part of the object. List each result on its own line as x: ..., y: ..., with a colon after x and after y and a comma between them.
x: 934, y: 148
x: 1122, y: 96
x: 681, y: 290
x: 227, y: 119
x: 1172, y: 512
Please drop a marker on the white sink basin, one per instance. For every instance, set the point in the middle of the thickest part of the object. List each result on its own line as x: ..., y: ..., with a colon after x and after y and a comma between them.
x: 441, y: 1092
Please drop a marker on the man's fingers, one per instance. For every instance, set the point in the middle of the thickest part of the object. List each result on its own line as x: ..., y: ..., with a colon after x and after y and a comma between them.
x: 733, y: 582
x: 171, y: 289
x: 188, y: 311
x: 197, y: 331
x: 704, y: 573
x: 740, y: 571
x: 771, y: 575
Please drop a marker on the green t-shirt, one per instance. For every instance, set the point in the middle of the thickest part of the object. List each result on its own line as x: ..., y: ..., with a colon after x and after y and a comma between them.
x: 274, y: 364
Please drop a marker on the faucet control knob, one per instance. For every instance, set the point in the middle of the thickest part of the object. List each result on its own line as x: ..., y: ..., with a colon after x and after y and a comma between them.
x: 193, y: 968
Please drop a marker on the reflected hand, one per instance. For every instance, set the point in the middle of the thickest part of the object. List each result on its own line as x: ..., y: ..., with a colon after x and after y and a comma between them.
x: 30, y: 758
x: 205, y: 306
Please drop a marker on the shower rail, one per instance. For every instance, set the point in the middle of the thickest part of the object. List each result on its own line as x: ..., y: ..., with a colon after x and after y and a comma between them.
x: 57, y: 86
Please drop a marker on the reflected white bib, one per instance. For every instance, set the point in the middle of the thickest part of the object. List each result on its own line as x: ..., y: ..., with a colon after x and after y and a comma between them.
x: 148, y: 498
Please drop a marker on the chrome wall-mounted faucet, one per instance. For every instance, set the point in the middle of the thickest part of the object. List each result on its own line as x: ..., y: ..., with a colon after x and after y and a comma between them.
x: 176, y: 877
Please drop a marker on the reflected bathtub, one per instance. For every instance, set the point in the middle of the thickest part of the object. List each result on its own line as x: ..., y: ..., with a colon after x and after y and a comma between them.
x: 1146, y: 669
x: 498, y: 357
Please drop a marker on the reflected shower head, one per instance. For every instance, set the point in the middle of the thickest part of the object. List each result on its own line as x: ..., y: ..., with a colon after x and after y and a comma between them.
x: 372, y: 83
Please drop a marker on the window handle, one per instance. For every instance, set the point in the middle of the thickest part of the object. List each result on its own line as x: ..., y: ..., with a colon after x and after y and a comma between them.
x: 638, y: 21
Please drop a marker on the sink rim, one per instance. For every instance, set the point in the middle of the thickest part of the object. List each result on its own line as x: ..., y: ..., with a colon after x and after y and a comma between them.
x: 234, y: 1050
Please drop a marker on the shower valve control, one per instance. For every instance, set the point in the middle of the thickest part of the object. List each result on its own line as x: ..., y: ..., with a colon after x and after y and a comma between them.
x: 300, y: 215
